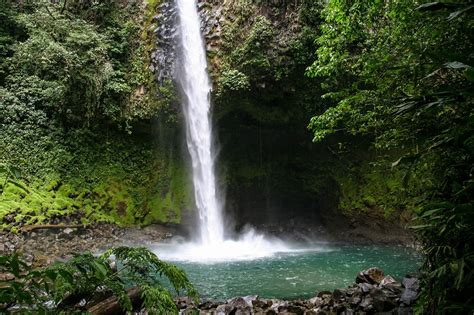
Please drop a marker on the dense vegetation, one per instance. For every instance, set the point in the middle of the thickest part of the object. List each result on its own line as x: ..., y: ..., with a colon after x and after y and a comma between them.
x: 388, y: 96
x: 74, y: 83
x: 78, y: 285
x: 403, y: 76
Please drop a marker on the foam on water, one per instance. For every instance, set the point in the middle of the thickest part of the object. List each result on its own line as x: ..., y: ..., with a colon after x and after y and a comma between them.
x: 249, y: 246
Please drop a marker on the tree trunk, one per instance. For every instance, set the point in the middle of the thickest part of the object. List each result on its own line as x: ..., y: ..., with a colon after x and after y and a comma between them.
x: 112, y: 306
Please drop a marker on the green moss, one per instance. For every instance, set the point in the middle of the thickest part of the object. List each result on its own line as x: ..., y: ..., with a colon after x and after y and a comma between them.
x: 111, y: 198
x: 166, y: 204
x: 14, y: 191
x: 379, y: 190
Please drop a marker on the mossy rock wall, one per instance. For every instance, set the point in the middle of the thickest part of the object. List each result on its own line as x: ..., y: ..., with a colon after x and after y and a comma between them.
x: 126, y: 179
x: 97, y: 140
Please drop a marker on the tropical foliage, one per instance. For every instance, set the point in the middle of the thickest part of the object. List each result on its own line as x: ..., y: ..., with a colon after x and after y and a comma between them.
x: 81, y: 282
x: 401, y: 74
x: 74, y: 86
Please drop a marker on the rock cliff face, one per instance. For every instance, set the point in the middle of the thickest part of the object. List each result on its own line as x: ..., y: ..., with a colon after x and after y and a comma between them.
x: 163, y: 58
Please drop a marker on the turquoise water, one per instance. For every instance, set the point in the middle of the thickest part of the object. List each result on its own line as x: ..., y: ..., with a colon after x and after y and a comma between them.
x: 297, y: 274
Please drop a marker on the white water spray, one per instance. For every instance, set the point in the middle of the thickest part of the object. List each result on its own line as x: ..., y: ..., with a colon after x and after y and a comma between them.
x: 196, y: 87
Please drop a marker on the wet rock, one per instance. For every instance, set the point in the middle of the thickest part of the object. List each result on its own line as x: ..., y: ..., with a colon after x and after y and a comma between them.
x: 366, y: 303
x: 321, y: 294
x: 163, y: 59
x: 279, y: 306
x: 382, y: 301
x: 338, y: 295
x: 315, y: 301
x: 410, y: 293
x: 365, y: 287
x: 295, y: 309
x: 261, y: 304
x: 372, y: 275
x: 387, y: 280
x: 224, y: 309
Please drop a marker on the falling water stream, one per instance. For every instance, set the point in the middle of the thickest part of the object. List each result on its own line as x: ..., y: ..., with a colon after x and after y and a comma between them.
x: 195, y: 84
x: 193, y: 79
x: 221, y: 267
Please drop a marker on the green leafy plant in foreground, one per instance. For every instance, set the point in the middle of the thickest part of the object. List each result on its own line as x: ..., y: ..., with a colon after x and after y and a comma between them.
x: 76, y: 285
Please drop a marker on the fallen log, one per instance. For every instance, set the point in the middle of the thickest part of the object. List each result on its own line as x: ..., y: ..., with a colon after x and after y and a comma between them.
x: 112, y: 306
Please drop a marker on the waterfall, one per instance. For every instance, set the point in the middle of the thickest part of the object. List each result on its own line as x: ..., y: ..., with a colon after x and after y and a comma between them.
x: 196, y: 87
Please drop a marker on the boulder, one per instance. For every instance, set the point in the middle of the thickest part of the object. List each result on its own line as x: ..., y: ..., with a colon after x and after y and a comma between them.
x: 279, y: 306
x: 249, y: 299
x: 382, y: 300
x: 323, y: 293
x: 409, y: 295
x: 354, y: 300
x: 315, y: 301
x: 372, y: 275
x: 387, y: 280
x: 225, y: 309
x: 411, y: 283
x: 394, y: 288
x: 241, y: 302
x: 339, y: 294
x: 191, y: 311
x: 244, y: 311
x: 207, y: 305
x: 295, y: 309
x: 367, y: 303
x: 261, y: 303
x: 365, y: 287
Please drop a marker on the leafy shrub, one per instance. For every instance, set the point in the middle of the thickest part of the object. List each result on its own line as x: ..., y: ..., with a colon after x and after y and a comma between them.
x: 403, y: 78
x: 84, y: 280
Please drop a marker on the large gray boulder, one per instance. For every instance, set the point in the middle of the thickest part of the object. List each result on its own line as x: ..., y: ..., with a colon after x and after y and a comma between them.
x: 409, y: 295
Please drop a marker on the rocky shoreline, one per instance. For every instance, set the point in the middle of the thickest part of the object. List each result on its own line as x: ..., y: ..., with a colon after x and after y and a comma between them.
x: 43, y: 246
x: 372, y: 293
